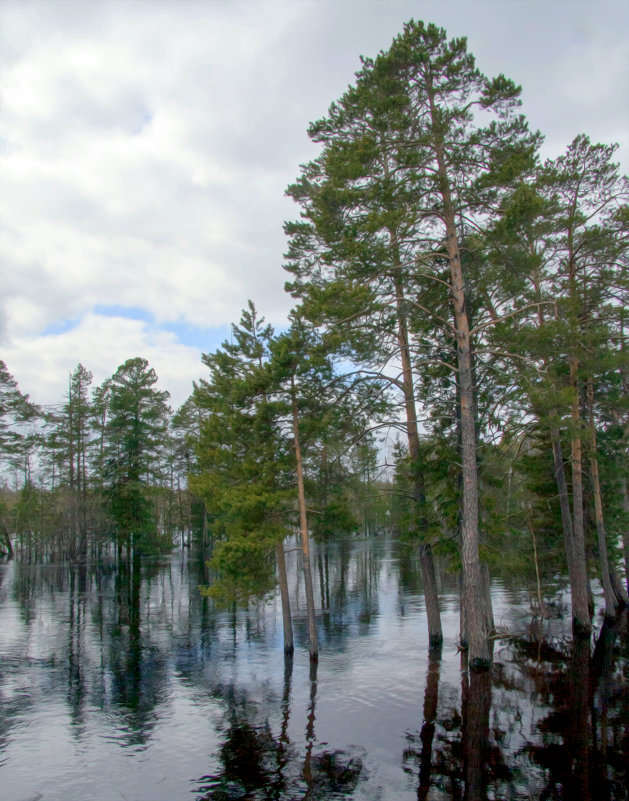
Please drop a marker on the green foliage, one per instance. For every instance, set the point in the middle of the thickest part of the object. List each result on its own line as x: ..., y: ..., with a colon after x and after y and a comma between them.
x: 136, y: 429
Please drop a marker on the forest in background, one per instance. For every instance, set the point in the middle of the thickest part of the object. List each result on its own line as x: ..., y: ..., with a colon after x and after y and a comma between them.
x: 450, y: 286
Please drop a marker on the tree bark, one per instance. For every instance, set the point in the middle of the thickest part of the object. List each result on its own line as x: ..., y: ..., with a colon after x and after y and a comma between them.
x: 303, y: 529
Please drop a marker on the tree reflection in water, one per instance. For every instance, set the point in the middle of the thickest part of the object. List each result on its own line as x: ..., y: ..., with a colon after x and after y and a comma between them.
x: 256, y: 765
x: 118, y: 666
x: 577, y: 749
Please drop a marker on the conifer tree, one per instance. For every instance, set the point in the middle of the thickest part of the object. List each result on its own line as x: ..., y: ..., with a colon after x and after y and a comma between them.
x: 420, y: 109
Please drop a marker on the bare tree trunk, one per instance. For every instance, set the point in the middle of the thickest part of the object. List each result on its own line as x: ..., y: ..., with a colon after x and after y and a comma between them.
x: 284, y: 595
x: 303, y: 529
x: 578, y: 578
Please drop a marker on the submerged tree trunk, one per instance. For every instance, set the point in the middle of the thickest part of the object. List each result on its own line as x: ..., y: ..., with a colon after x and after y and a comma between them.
x: 576, y: 567
x: 284, y: 595
x: 303, y: 529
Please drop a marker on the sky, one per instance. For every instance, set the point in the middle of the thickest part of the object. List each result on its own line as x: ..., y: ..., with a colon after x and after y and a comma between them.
x: 146, y: 145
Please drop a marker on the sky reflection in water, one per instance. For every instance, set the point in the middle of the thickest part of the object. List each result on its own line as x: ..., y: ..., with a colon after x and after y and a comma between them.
x: 120, y: 687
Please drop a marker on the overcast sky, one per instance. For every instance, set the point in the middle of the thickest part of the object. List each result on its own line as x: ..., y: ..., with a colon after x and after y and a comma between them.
x: 145, y: 148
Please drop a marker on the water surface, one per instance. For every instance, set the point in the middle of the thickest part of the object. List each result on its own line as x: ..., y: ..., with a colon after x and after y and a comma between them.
x: 119, y: 686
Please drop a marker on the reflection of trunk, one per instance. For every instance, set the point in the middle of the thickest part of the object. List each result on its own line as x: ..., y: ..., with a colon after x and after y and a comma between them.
x: 284, y: 742
x: 611, y: 602
x: 431, y: 700
x: 476, y: 708
x: 577, y: 738
x: 310, y: 736
x: 283, y: 582
x: 303, y: 529
x: 576, y: 564
x: 431, y: 596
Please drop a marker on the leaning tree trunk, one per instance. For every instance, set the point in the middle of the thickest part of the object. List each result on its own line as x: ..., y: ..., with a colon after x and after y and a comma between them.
x: 578, y: 578
x: 303, y: 528
x: 431, y: 595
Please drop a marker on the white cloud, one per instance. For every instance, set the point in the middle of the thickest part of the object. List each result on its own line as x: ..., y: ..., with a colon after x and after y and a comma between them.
x: 144, y: 153
x: 101, y: 344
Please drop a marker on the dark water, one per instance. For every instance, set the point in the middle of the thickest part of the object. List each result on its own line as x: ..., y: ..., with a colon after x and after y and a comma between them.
x: 115, y: 687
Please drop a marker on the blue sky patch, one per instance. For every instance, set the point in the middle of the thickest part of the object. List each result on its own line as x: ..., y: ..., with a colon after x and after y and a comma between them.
x: 128, y: 312
x: 193, y: 336
x: 60, y: 327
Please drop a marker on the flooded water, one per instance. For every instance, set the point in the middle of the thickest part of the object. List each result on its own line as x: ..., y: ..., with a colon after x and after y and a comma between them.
x: 119, y: 687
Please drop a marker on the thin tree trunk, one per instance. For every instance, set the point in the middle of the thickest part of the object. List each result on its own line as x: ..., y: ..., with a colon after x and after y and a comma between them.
x: 578, y: 578
x: 303, y: 529
x: 284, y: 595
x: 611, y: 602
x: 431, y: 595
x: 625, y: 531
x: 540, y: 597
x: 578, y: 523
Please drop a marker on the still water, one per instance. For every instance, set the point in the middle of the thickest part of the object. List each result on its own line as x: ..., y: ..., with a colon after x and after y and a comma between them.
x: 123, y: 688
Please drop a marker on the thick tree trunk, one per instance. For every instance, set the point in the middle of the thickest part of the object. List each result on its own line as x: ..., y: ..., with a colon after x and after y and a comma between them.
x: 303, y: 529
x: 470, y: 561
x: 578, y: 578
x: 478, y: 644
x: 285, y: 597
